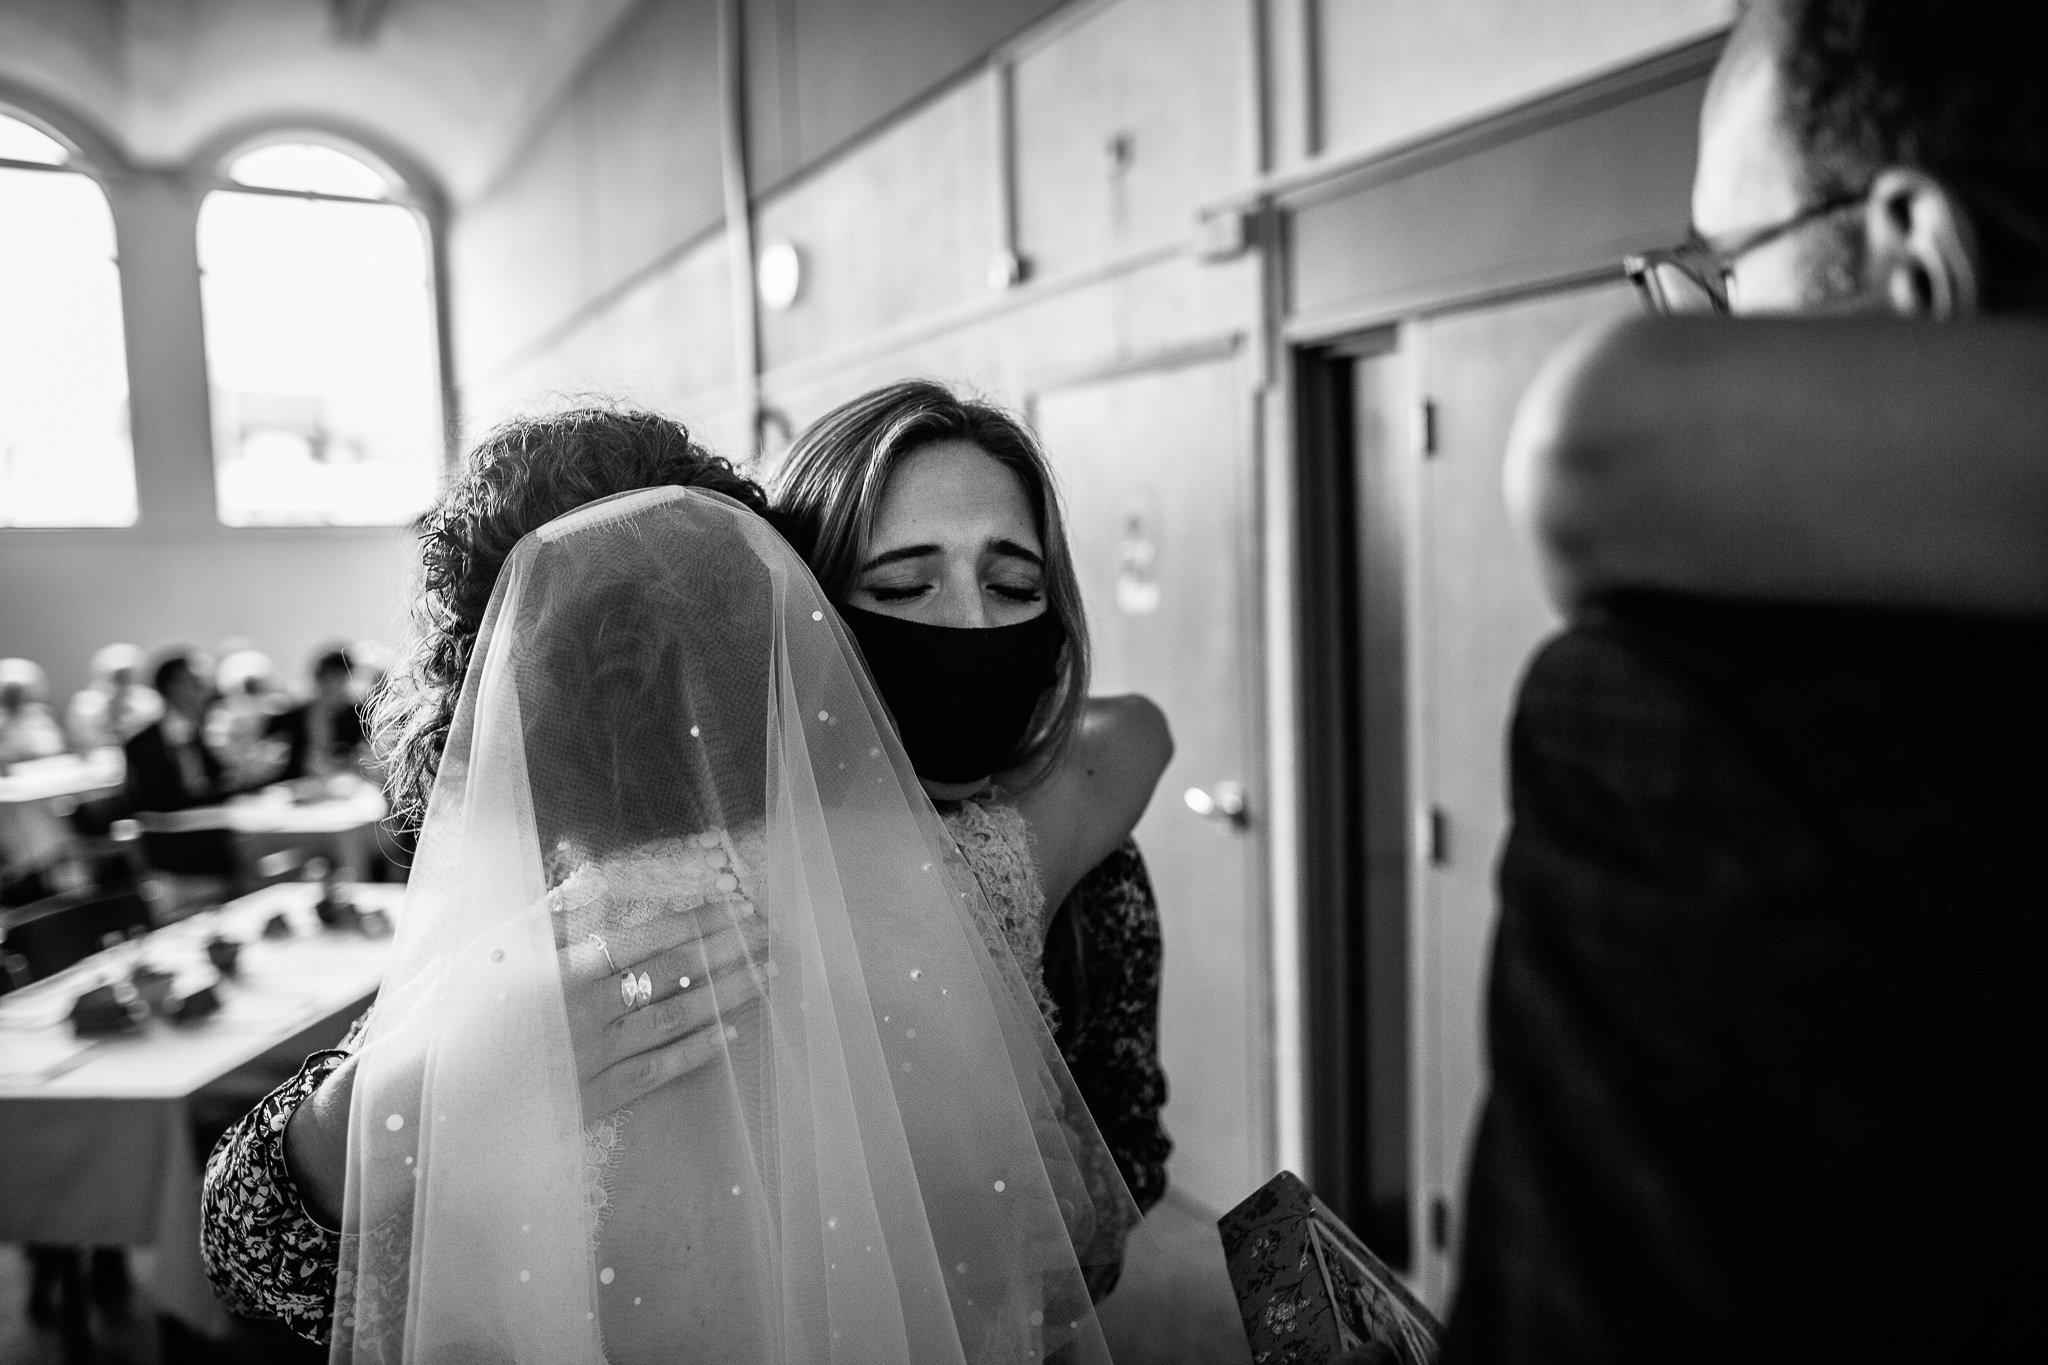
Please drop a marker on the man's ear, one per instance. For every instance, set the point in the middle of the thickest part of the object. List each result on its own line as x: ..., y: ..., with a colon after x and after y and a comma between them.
x: 1920, y: 249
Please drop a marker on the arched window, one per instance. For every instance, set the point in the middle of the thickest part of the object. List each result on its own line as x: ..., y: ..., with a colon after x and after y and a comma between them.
x: 65, y: 454
x: 321, y: 343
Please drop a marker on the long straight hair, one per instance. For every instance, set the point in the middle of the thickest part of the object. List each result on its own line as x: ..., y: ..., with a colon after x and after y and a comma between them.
x: 829, y: 488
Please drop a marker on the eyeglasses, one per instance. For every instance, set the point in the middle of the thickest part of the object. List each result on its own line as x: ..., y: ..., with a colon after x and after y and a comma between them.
x: 1693, y: 277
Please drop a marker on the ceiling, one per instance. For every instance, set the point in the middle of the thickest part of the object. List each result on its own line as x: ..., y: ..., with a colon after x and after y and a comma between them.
x: 456, y: 84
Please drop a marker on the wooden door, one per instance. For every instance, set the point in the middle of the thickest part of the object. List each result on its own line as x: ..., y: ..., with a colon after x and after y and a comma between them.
x: 1480, y: 613
x: 1155, y: 466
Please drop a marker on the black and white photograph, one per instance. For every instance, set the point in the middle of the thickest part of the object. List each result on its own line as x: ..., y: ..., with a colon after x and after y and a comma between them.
x: 1023, y: 682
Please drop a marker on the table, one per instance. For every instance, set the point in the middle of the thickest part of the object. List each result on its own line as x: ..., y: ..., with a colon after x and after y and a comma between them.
x: 342, y: 828
x: 95, y: 1135
x: 47, y: 779
x: 32, y: 834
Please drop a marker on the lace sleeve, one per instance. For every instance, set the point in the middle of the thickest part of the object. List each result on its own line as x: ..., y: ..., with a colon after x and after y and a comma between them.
x: 1102, y: 965
x: 264, y: 1253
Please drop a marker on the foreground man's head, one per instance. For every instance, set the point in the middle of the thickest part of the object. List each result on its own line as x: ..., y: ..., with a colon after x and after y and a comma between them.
x: 1879, y: 155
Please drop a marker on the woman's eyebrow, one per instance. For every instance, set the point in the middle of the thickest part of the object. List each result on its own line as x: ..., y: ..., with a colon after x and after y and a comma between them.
x: 898, y: 555
x: 1010, y: 549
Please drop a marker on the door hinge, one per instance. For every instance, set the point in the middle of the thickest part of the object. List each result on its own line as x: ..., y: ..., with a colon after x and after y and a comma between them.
x: 1425, y: 427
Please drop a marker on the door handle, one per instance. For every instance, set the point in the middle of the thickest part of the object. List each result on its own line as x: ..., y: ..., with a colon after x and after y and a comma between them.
x: 1225, y: 805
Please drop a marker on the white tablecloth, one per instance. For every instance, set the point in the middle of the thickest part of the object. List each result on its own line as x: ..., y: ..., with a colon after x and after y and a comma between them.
x: 95, y: 1135
x: 46, y: 779
x: 32, y: 834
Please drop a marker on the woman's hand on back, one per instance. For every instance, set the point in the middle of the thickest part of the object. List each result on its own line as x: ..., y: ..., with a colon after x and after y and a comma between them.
x: 1093, y: 797
x: 622, y: 1052
x: 669, y: 1029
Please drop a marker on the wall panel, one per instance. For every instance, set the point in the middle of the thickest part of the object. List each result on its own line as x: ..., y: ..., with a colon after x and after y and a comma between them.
x: 649, y: 131
x: 1572, y: 196
x: 519, y: 258
x: 904, y: 229
x: 1047, y: 338
x: 665, y: 343
x: 625, y: 170
x: 824, y: 71
x: 1126, y: 123
x: 1389, y: 70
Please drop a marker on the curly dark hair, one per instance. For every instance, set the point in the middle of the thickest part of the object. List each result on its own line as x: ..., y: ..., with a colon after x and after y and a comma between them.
x: 520, y: 477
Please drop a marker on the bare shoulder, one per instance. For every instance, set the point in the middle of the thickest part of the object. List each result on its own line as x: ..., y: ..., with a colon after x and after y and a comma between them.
x: 1125, y: 736
x: 1093, y: 797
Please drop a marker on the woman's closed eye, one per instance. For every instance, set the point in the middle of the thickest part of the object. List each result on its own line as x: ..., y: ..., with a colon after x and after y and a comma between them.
x: 1017, y: 592
x: 1022, y: 594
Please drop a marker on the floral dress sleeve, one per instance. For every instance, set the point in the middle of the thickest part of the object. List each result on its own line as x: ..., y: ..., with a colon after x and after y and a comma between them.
x: 264, y: 1253
x: 1102, y: 966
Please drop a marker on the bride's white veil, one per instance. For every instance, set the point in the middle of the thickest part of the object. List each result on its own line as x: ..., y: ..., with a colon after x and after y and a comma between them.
x: 880, y: 1156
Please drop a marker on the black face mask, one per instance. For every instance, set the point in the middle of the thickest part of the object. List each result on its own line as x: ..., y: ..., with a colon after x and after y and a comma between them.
x: 962, y: 699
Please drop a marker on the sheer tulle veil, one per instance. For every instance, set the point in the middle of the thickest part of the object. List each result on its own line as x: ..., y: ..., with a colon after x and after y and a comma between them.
x: 880, y: 1156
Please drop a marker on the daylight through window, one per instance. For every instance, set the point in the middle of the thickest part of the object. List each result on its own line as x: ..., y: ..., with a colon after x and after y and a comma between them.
x: 65, y: 454
x: 320, y: 342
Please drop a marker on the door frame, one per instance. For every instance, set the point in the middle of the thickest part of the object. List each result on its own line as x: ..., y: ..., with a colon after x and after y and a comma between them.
x: 1330, y: 566
x: 1312, y: 330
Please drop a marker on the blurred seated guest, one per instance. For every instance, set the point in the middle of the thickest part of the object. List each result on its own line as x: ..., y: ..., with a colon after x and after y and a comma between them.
x: 31, y: 836
x: 324, y: 734
x: 238, y: 729
x: 169, y: 765
x: 170, y: 769
x: 28, y: 728
x: 115, y: 704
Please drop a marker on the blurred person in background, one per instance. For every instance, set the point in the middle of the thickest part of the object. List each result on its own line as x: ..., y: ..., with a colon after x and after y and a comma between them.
x: 169, y: 766
x: 323, y: 735
x: 1764, y: 1010
x: 238, y: 729
x: 28, y: 727
x: 108, y: 711
x: 31, y: 836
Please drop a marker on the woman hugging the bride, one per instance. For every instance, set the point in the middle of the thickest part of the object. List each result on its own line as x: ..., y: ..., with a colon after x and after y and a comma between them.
x: 702, y: 1037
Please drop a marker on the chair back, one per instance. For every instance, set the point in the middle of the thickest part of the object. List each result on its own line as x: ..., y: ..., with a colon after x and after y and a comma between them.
x: 52, y: 934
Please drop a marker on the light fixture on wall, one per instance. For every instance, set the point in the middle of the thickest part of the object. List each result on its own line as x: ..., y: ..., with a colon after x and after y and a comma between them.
x: 780, y: 274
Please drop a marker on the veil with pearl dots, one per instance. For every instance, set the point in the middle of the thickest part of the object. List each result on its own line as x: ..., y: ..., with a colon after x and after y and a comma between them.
x: 881, y: 1156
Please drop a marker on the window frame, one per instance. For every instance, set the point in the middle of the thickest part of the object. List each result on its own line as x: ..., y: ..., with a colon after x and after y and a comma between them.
x: 94, y: 155
x: 412, y: 188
